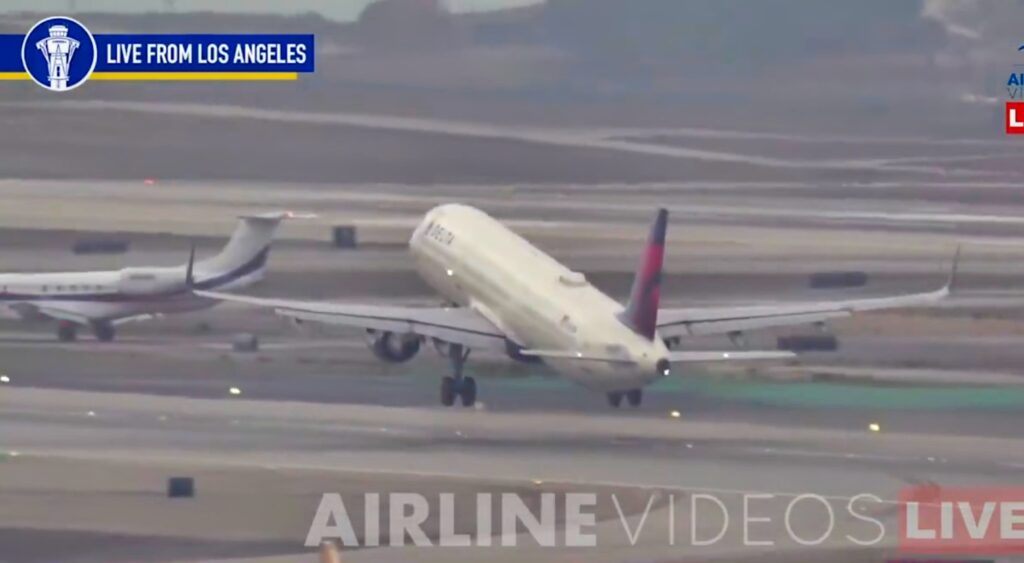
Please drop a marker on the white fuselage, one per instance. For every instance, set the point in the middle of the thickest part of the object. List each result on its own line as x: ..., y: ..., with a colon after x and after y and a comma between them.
x: 110, y: 296
x: 475, y: 261
x: 104, y: 295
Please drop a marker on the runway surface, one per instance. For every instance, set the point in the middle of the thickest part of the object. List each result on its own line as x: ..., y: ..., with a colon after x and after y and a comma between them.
x: 256, y: 450
x: 96, y: 430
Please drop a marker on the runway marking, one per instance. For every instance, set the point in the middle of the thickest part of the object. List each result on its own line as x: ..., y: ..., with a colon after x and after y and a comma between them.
x: 583, y: 138
x: 169, y: 458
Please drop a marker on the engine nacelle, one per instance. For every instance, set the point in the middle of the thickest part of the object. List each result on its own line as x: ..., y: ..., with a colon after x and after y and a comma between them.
x: 394, y: 348
x: 147, y: 281
x: 515, y: 352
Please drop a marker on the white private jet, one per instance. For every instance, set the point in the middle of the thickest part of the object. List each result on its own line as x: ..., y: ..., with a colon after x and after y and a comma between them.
x: 513, y: 298
x: 102, y: 300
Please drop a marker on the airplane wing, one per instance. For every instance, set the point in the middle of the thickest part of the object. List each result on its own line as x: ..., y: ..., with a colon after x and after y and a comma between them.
x: 457, y: 326
x: 720, y: 320
x: 25, y: 310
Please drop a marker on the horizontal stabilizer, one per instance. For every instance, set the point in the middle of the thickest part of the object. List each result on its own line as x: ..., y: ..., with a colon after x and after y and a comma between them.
x: 728, y: 356
x: 571, y: 355
x: 279, y: 215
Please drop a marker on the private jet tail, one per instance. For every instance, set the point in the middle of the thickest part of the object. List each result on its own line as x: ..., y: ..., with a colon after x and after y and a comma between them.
x: 641, y: 313
x: 243, y: 260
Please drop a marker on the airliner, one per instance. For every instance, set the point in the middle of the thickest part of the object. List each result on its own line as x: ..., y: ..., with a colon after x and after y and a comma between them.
x: 512, y: 298
x: 102, y: 300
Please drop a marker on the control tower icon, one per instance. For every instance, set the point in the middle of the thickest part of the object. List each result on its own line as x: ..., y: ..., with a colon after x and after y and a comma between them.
x: 58, y: 49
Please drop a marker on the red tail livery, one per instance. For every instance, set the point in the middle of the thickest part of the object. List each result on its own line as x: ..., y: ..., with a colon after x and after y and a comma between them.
x: 641, y: 312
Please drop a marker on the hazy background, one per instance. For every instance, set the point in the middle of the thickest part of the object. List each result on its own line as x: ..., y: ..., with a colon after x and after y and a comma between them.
x: 879, y: 66
x: 336, y: 9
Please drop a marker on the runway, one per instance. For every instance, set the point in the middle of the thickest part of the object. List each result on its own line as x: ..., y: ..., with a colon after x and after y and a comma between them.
x: 75, y: 448
x: 96, y: 431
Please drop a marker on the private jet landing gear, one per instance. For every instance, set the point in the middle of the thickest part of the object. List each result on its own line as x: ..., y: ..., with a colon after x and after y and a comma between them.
x: 104, y: 332
x: 633, y: 396
x: 457, y: 385
x: 67, y: 331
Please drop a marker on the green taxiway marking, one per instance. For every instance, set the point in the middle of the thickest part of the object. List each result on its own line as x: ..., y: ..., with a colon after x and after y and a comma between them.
x: 817, y: 395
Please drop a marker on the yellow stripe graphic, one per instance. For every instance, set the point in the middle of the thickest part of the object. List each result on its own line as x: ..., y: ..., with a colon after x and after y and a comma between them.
x: 168, y: 76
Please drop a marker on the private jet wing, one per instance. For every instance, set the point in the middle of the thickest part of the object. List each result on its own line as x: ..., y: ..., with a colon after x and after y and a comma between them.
x: 26, y: 310
x: 690, y: 321
x: 457, y: 326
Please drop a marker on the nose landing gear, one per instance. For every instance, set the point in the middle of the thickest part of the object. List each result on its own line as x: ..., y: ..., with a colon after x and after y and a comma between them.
x: 456, y: 385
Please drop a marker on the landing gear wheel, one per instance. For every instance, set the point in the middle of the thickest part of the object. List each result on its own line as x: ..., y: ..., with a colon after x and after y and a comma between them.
x: 67, y: 332
x: 634, y: 396
x: 615, y: 399
x: 104, y: 332
x: 468, y: 391
x: 464, y: 387
x: 448, y: 391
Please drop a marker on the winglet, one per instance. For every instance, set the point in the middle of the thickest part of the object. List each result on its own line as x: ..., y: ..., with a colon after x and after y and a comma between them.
x: 641, y: 312
x: 190, y: 280
x: 953, y: 270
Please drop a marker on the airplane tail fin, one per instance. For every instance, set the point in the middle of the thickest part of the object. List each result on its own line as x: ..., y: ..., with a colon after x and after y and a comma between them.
x: 641, y: 312
x: 243, y: 259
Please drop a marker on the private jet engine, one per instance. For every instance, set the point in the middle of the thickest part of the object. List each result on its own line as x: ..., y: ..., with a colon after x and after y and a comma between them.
x: 391, y: 347
x: 148, y: 281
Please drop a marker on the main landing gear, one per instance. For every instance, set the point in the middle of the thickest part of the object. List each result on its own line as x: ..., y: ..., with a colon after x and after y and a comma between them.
x: 456, y: 385
x: 67, y: 331
x: 633, y: 396
x: 104, y: 331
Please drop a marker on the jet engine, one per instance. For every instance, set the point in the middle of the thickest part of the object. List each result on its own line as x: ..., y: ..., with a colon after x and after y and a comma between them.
x: 515, y: 352
x: 391, y: 347
x: 147, y: 281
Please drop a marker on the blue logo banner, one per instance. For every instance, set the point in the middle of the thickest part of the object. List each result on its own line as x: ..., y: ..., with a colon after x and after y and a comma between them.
x: 59, y: 53
x: 205, y: 53
x: 187, y: 53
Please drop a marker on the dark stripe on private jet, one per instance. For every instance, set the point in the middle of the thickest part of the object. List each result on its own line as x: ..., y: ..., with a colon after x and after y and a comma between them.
x: 257, y: 262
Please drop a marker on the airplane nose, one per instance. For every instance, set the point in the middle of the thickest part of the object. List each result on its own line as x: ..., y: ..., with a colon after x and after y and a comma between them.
x: 663, y: 367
